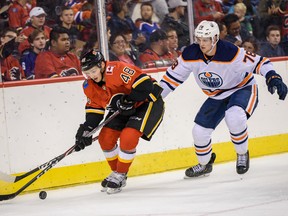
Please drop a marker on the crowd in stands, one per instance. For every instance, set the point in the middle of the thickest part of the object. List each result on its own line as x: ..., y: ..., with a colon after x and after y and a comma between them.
x: 45, y: 38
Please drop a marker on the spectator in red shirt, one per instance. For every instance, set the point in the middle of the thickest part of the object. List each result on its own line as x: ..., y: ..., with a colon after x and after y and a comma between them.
x: 38, y: 17
x: 210, y: 10
x: 10, y: 67
x: 58, y: 61
x: 158, y: 55
x: 18, y: 14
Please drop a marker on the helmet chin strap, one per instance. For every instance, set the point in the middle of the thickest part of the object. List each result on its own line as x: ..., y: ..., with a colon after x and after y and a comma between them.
x: 213, y: 45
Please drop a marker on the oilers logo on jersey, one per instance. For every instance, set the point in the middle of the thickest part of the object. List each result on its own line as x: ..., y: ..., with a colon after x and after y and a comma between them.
x: 210, y: 79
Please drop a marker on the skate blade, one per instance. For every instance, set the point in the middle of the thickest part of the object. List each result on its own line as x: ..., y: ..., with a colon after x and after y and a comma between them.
x: 103, y: 189
x: 113, y: 190
x: 194, y: 177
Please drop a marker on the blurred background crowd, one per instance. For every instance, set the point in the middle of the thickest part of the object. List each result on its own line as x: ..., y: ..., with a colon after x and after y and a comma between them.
x: 46, y: 38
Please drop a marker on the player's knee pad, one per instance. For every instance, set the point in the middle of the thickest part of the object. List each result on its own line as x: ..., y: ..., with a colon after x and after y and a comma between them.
x: 108, y: 138
x: 201, y: 135
x: 236, y: 119
x: 129, y: 139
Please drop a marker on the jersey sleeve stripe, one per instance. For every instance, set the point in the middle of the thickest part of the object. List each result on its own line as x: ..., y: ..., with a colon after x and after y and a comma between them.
x: 140, y: 81
x: 168, y: 84
x: 171, y: 82
x: 260, y: 63
x: 173, y: 78
x: 97, y: 111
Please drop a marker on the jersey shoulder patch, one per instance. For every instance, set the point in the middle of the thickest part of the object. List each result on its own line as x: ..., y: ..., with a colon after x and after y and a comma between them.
x: 85, y: 84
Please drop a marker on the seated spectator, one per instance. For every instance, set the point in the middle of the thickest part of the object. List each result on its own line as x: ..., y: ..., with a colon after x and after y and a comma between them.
x: 145, y: 23
x: 58, y: 61
x: 158, y: 55
x: 66, y: 21
x: 240, y: 10
x: 52, y: 9
x: 117, y: 50
x: 235, y: 33
x: 10, y: 67
x: 174, y: 20
x: 272, y: 48
x: 210, y: 10
x: 131, y: 49
x: 250, y: 44
x: 120, y: 20
x: 268, y: 11
x: 37, y: 42
x: 173, y: 42
x: 38, y: 17
x: 223, y: 30
x: 18, y: 14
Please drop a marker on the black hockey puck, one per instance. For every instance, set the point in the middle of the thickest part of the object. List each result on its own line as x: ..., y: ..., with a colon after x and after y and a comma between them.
x: 42, y: 195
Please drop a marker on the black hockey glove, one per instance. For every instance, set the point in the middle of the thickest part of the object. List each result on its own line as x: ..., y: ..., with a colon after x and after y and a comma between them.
x: 125, y: 107
x: 274, y: 81
x: 81, y: 137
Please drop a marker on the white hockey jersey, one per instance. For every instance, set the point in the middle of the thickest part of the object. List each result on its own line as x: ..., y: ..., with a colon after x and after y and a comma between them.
x: 230, y: 69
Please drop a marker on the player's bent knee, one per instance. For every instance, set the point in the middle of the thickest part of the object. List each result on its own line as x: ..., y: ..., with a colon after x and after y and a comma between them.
x: 129, y: 138
x: 201, y: 135
x: 108, y: 138
x: 236, y: 119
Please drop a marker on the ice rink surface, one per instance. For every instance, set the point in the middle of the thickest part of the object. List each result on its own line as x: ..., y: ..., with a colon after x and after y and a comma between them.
x: 262, y: 191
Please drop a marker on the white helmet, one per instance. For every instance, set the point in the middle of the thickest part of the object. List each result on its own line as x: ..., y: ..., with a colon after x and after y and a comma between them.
x: 207, y: 29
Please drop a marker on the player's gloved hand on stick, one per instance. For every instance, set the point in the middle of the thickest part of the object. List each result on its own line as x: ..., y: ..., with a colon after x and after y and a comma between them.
x: 125, y: 107
x: 274, y: 81
x: 81, y: 137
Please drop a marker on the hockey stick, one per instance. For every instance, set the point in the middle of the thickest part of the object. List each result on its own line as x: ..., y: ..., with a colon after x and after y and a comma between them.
x: 13, y: 179
x: 48, y: 165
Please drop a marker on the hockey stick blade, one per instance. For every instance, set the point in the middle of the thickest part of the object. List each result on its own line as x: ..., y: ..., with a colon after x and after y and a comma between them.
x: 51, y: 164
x: 48, y: 165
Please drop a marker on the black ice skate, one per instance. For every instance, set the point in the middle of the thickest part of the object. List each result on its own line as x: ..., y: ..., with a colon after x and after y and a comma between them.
x: 105, y: 181
x: 200, y: 170
x: 242, y: 164
x: 116, y: 182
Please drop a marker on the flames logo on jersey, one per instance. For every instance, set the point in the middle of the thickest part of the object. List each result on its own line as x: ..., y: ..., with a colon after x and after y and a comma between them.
x: 210, y: 79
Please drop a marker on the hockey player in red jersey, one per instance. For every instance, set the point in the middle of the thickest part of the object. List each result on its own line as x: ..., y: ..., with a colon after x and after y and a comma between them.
x: 119, y: 86
x: 225, y: 73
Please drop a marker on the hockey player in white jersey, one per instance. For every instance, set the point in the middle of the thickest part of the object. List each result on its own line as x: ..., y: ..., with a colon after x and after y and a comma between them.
x: 225, y: 73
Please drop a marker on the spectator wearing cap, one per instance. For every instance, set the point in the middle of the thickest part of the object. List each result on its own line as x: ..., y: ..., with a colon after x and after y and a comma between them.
x: 174, y: 20
x: 37, y: 21
x: 18, y: 14
x: 207, y: 10
x: 158, y: 50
